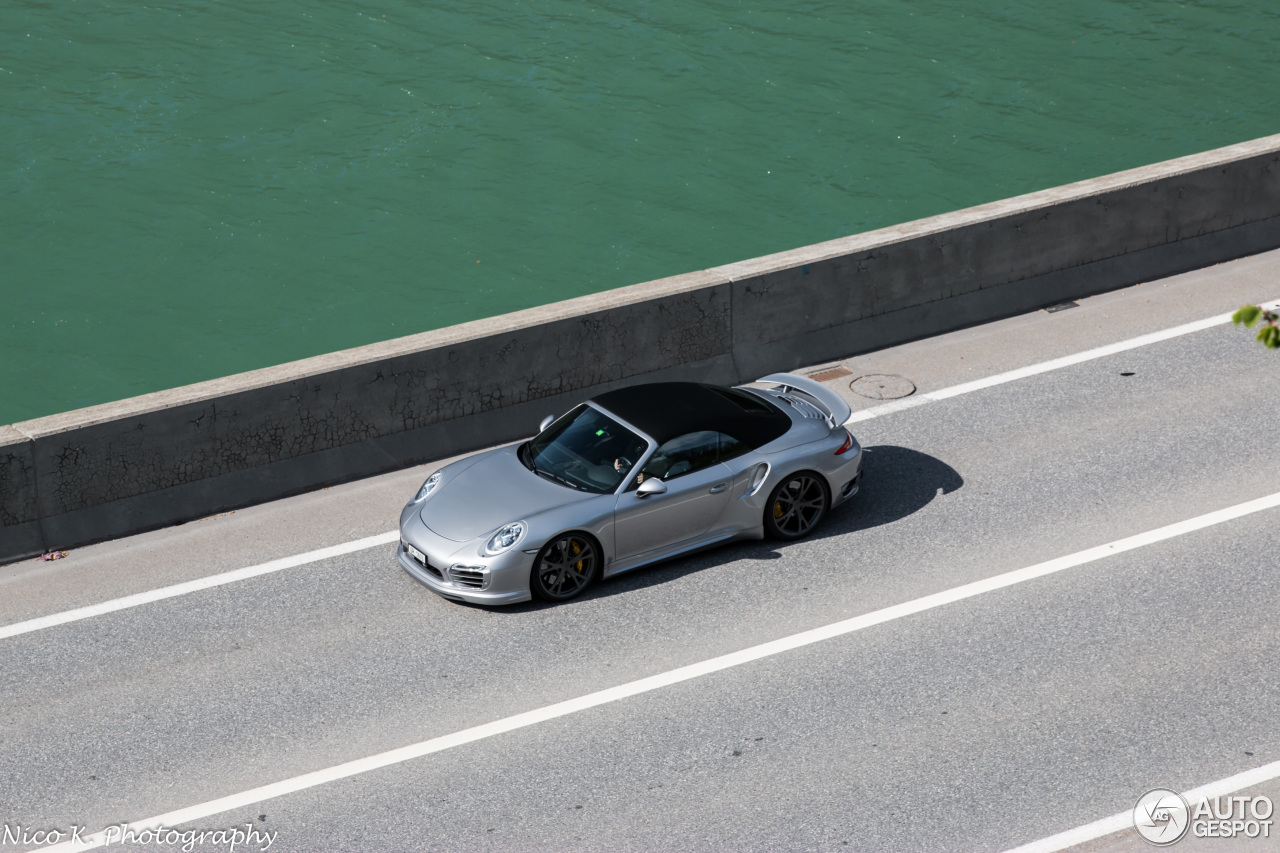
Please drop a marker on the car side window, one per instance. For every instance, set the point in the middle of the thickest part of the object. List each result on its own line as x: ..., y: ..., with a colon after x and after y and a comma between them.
x: 731, y: 448
x: 683, y: 455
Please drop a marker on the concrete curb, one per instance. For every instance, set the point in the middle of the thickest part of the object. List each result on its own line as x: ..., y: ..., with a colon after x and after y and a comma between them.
x: 184, y: 453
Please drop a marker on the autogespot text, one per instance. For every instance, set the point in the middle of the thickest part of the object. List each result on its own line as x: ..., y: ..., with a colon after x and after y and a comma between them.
x: 1229, y: 817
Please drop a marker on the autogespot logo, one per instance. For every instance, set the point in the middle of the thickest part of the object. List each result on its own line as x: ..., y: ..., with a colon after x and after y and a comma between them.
x: 1161, y: 816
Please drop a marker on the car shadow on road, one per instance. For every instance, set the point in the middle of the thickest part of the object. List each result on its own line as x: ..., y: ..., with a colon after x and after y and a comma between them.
x: 896, y: 482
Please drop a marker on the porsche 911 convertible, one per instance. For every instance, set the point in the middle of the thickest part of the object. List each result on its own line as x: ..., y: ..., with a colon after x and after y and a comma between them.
x: 630, y: 477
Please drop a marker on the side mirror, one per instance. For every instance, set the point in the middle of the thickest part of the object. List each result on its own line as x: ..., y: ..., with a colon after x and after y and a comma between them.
x: 546, y: 422
x: 651, y: 487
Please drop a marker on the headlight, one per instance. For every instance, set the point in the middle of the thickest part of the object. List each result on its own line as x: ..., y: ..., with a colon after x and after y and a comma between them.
x: 505, y: 538
x: 429, y: 486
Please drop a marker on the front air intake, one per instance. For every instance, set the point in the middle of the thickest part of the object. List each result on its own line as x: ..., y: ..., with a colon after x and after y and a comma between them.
x: 468, y: 577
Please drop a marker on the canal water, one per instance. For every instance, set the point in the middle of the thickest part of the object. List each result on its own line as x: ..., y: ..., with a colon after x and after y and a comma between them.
x: 194, y: 188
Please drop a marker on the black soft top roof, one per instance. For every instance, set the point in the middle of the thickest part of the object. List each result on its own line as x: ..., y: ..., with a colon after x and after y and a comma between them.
x: 666, y: 410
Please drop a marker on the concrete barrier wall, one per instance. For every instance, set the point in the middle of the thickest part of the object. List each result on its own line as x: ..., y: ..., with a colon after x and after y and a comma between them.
x: 162, y: 458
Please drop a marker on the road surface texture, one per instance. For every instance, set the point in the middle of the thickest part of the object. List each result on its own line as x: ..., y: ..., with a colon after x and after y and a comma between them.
x: 986, y: 722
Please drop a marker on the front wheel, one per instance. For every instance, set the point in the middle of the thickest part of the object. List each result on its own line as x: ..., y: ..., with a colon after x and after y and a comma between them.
x: 564, y: 567
x: 796, y: 506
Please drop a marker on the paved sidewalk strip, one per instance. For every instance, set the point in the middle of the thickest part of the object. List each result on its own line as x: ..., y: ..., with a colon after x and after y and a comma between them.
x: 1046, y: 366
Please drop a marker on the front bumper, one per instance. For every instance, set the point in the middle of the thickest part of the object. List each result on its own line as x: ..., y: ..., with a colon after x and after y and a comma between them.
x: 477, y: 579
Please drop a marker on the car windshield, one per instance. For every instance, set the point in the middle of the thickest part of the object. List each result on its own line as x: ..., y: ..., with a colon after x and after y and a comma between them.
x: 586, y: 450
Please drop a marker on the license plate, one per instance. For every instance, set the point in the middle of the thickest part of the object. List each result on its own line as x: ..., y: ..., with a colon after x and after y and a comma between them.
x: 415, y: 553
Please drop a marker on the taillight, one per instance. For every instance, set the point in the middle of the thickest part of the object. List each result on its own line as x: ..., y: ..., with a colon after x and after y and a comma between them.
x: 848, y: 443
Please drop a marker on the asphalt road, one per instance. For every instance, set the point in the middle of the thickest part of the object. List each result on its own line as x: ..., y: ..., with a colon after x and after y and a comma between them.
x: 979, y: 725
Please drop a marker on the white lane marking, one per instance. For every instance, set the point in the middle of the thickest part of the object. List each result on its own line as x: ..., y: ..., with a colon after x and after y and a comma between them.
x: 382, y: 539
x: 1124, y: 820
x: 685, y: 673
x: 1044, y: 367
x: 195, y: 586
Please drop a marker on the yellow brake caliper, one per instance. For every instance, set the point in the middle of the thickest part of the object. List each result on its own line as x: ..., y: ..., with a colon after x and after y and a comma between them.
x: 777, y: 509
x: 577, y: 549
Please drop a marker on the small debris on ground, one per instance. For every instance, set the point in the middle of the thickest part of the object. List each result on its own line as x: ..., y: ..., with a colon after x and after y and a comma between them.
x: 1061, y: 306
x: 52, y: 555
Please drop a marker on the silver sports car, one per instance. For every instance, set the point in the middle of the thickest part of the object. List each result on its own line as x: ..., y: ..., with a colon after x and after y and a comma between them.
x: 628, y: 478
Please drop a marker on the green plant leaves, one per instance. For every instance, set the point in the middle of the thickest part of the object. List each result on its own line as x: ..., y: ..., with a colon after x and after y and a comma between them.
x: 1248, y: 315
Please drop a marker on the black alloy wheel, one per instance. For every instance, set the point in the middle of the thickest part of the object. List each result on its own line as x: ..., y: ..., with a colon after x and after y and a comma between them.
x: 796, y: 506
x: 565, y: 567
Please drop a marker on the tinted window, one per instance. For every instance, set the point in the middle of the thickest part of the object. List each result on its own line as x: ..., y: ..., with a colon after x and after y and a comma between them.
x: 731, y: 448
x: 684, y: 455
x: 585, y: 449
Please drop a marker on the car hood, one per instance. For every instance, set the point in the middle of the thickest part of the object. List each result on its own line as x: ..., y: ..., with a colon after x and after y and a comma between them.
x: 494, y: 491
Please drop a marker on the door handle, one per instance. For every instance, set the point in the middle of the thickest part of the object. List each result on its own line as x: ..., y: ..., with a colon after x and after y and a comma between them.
x: 718, y: 488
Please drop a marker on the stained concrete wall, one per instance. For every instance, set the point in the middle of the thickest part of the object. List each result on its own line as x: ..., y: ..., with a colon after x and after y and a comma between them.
x: 180, y: 454
x: 19, y: 513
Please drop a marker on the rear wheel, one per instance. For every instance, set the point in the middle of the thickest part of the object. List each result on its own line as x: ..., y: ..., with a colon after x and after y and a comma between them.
x: 565, y: 567
x: 796, y: 506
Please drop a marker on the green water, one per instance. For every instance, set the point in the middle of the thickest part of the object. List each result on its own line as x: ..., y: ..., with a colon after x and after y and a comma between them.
x: 191, y: 189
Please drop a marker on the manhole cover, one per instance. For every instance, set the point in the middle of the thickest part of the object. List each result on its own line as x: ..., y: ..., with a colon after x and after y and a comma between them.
x: 882, y: 386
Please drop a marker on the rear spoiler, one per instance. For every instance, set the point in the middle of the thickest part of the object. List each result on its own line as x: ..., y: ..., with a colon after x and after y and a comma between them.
x: 837, y: 409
